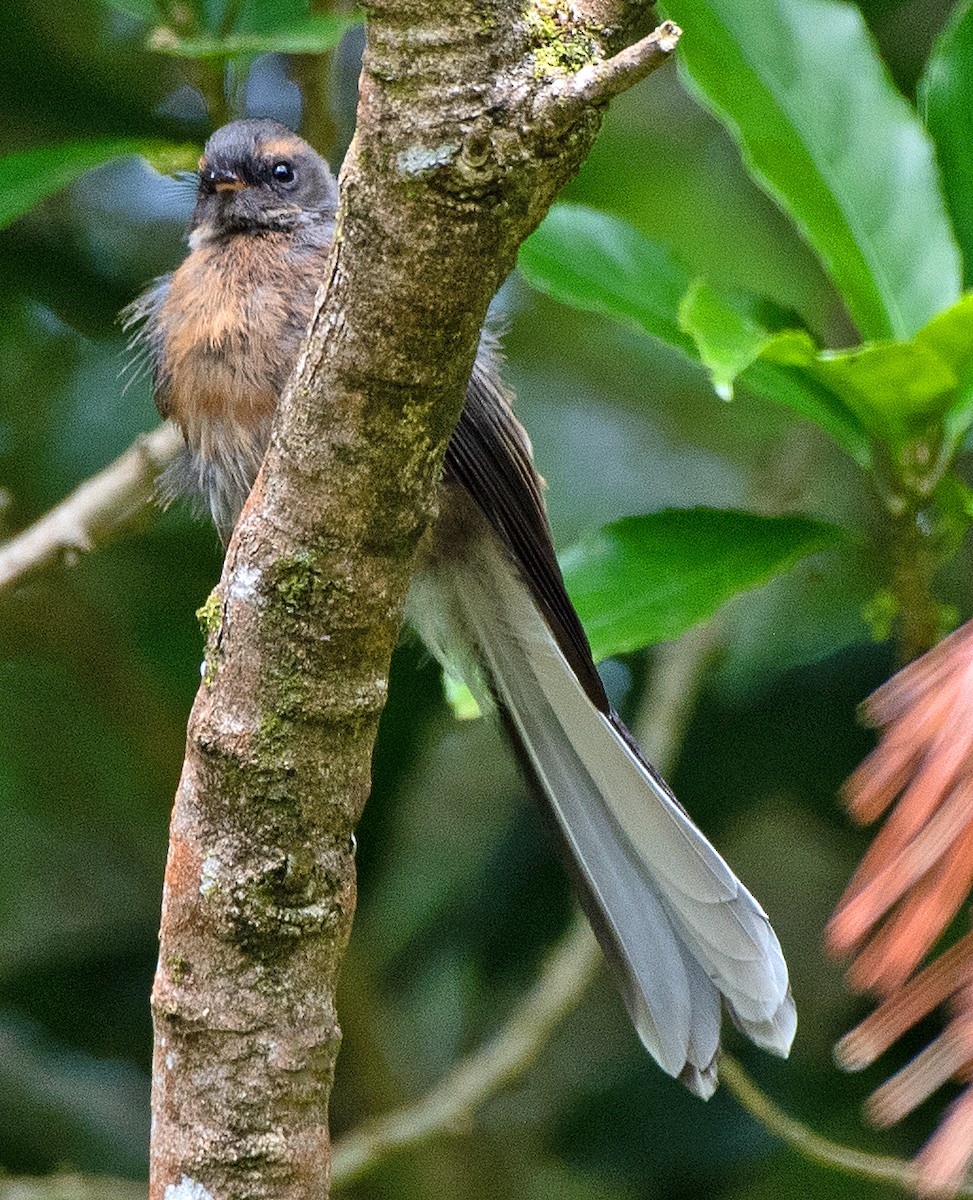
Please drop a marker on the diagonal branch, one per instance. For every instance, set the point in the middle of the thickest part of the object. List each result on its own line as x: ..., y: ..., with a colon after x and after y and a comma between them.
x: 472, y: 1082
x: 668, y: 707
x: 450, y: 169
x: 66, y: 1185
x: 97, y: 511
x: 570, y: 968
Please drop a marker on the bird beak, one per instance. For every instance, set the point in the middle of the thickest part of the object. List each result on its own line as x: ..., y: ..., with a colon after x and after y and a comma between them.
x: 226, y: 181
x: 219, y: 180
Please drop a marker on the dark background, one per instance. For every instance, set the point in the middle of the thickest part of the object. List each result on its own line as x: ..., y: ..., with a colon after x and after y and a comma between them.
x: 460, y: 891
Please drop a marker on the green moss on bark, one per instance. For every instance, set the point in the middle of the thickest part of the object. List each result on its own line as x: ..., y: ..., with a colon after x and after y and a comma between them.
x: 560, y: 42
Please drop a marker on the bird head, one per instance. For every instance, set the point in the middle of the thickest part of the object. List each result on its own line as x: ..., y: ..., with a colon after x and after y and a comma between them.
x: 258, y: 175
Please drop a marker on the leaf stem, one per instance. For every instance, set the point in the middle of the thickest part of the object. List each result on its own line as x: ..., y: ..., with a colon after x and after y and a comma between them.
x: 813, y: 1146
x: 913, y: 566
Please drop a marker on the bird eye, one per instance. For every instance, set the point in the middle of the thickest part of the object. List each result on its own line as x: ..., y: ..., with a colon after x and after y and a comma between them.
x: 283, y: 172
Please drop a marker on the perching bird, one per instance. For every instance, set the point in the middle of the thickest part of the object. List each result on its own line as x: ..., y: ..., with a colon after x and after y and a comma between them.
x: 680, y: 932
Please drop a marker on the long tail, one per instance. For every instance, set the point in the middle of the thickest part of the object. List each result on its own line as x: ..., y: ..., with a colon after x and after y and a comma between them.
x: 678, y: 928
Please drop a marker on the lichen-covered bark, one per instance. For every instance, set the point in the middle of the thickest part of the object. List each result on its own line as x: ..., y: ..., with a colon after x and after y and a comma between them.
x: 472, y: 115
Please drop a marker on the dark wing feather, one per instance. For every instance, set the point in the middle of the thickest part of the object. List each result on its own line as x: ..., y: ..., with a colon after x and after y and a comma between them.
x: 490, y: 455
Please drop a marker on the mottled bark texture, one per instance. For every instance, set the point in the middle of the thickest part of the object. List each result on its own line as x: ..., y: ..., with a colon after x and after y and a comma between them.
x: 473, y: 113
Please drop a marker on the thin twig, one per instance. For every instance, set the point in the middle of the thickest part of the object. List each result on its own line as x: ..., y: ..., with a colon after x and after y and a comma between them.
x: 67, y: 1185
x: 453, y: 1101
x: 599, y: 82
x: 101, y: 508
x: 564, y: 979
x: 879, y: 1167
x: 604, y: 80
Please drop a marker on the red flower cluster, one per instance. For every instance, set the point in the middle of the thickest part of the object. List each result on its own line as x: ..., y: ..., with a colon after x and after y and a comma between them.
x: 912, y: 881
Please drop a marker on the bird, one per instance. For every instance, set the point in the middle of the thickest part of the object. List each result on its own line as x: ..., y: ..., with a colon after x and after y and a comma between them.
x: 682, y: 936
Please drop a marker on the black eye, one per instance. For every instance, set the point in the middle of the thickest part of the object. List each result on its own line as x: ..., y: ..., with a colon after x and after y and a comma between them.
x: 283, y: 172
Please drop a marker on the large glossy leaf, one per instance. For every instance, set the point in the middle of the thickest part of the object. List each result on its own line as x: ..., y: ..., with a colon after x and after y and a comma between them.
x: 897, y: 390
x: 647, y: 579
x: 733, y: 345
x: 30, y: 176
x: 892, y: 392
x: 800, y: 86
x: 311, y: 35
x: 944, y: 96
x: 794, y: 387
x: 728, y: 337
x: 600, y: 263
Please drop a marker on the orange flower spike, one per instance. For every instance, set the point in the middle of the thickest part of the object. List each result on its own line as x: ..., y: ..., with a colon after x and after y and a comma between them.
x: 910, y: 884
x: 923, y: 1075
x: 898, y: 947
x: 881, y: 776
x: 905, y: 1007
x: 914, y: 704
x: 942, y: 1163
x: 943, y: 836
x: 905, y: 820
x: 927, y: 675
x: 915, y: 834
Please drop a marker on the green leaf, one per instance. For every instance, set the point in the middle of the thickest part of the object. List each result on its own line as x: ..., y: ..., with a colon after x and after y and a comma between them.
x: 950, y: 336
x: 727, y: 336
x: 898, y: 393
x: 789, y: 384
x: 311, y: 35
x: 896, y: 389
x: 801, y: 88
x: 889, y: 391
x: 460, y: 699
x: 893, y: 392
x: 648, y: 579
x: 733, y: 345
x: 890, y: 385
x: 601, y: 264
x: 944, y: 98
x: 30, y: 176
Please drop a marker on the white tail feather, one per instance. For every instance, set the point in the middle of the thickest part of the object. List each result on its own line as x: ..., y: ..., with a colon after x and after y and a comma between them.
x: 678, y: 927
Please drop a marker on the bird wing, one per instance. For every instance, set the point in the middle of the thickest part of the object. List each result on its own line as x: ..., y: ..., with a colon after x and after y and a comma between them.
x: 678, y: 928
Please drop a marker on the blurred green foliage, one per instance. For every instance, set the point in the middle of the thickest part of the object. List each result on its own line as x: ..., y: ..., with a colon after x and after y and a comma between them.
x: 669, y: 273
x: 644, y: 580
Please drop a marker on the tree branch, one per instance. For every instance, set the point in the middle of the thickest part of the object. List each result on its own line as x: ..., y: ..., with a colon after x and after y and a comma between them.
x: 569, y: 970
x: 600, y: 82
x: 100, y: 509
x: 878, y: 1167
x: 66, y: 1185
x: 449, y: 170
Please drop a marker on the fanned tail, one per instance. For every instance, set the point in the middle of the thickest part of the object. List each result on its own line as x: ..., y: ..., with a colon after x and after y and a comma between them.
x: 678, y: 928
